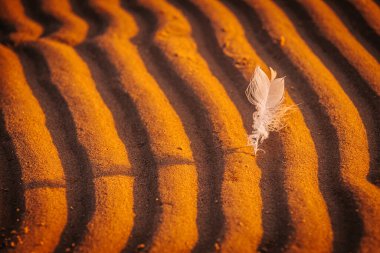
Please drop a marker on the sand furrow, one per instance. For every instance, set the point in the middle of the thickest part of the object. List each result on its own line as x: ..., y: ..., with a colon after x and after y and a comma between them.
x: 133, y: 134
x: 33, y: 10
x: 94, y: 25
x: 345, y: 119
x: 361, y: 18
x: 124, y: 124
x: 370, y: 12
x: 17, y: 26
x: 300, y: 159
x: 197, y: 127
x: 365, y: 100
x: 71, y: 28
x: 112, y: 219
x: 74, y: 160
x: 11, y: 190
x: 334, y: 30
x: 241, y: 200
x: 345, y: 222
x: 175, y: 173
x: 45, y: 209
x: 5, y: 198
x: 275, y: 212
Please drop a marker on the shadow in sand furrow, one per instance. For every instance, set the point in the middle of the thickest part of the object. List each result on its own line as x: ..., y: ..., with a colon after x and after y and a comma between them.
x: 78, y: 174
x: 275, y: 211
x: 129, y: 125
x: 11, y: 187
x: 45, y: 213
x: 5, y: 30
x: 346, y: 224
x: 58, y: 20
x: 93, y: 19
x: 33, y: 11
x: 220, y: 65
x: 15, y: 26
x: 206, y: 152
x: 112, y: 218
x: 134, y: 135
x: 366, y: 101
x: 334, y: 30
x: 357, y: 25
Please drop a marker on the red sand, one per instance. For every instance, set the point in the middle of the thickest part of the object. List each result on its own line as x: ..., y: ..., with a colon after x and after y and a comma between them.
x: 124, y: 127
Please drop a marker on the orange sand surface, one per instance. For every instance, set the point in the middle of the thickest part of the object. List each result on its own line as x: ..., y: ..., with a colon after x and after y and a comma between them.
x: 124, y: 126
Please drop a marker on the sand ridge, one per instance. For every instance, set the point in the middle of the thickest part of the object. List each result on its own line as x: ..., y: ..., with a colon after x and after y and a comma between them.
x: 124, y: 127
x: 298, y: 153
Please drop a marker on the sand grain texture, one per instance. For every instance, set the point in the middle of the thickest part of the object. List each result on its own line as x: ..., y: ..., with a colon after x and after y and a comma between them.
x: 123, y: 126
x: 307, y: 210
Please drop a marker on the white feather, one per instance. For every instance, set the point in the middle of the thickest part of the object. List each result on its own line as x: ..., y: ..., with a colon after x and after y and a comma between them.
x: 276, y: 93
x: 267, y: 97
x: 258, y: 88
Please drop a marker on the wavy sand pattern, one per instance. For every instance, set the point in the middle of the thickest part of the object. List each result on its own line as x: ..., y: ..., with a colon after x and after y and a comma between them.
x: 123, y: 126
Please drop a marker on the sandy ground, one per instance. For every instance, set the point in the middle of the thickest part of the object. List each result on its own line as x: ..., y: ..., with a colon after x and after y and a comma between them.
x: 124, y: 126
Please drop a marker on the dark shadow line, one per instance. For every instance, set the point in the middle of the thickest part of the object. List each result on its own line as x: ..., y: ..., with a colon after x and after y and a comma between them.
x: 14, y: 186
x: 6, y: 29
x: 92, y: 18
x: 171, y: 160
x: 366, y: 101
x: 135, y: 138
x: 198, y: 127
x: 34, y: 11
x: 221, y: 66
x: 121, y: 170
x: 237, y: 150
x: 357, y: 25
x: 115, y: 170
x: 346, y: 223
x: 275, y: 211
x: 80, y: 192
